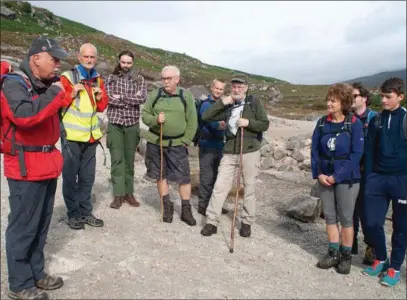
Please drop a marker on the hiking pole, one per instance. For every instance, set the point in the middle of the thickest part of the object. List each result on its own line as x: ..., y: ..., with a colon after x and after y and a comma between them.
x: 232, y: 233
x: 161, y: 172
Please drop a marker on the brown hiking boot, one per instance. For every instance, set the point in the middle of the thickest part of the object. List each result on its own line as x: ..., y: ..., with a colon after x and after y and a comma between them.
x: 117, y: 202
x: 30, y: 293
x: 131, y: 200
x: 49, y: 282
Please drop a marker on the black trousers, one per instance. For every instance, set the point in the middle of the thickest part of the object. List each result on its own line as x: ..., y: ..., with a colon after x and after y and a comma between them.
x: 31, y: 208
x: 78, y: 177
x: 209, y: 160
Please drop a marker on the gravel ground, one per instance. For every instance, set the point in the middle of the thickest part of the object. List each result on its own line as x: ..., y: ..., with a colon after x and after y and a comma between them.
x: 136, y: 256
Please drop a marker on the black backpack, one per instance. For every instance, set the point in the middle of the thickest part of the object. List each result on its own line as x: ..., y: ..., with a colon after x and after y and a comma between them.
x: 251, y: 100
x: 349, y: 119
x: 181, y: 95
x: 198, y: 133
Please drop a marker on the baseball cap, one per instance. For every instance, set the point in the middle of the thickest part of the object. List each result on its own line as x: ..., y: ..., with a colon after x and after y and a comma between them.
x: 45, y: 44
x: 240, y: 78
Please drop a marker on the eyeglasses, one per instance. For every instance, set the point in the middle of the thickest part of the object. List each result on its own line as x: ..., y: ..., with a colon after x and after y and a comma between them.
x: 167, y: 78
x: 356, y: 95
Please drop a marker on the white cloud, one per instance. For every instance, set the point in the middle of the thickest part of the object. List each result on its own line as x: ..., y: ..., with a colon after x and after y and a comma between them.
x: 302, y: 42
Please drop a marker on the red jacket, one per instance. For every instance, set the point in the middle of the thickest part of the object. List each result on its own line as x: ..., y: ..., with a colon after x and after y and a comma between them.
x: 36, y: 121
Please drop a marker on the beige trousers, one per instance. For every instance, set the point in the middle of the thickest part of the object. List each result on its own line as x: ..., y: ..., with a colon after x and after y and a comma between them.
x: 226, y: 174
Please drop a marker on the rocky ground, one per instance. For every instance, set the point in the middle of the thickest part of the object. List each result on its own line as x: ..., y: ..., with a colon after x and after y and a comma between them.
x: 136, y: 256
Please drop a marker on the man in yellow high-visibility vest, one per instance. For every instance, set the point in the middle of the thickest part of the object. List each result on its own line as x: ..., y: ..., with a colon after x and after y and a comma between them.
x: 80, y: 137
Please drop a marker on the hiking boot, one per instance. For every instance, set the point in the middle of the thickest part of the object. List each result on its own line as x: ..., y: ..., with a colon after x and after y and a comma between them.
x: 168, y: 212
x: 345, y: 262
x: 92, y: 221
x: 245, y: 230
x: 355, y: 246
x: 49, y: 282
x: 186, y: 215
x: 75, y: 223
x: 377, y: 268
x: 209, y: 229
x: 131, y: 200
x: 391, y: 279
x: 30, y: 293
x: 202, y: 211
x: 370, y: 256
x: 331, y: 259
x: 117, y: 202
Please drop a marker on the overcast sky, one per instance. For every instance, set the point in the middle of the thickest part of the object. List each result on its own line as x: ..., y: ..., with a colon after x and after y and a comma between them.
x: 301, y: 42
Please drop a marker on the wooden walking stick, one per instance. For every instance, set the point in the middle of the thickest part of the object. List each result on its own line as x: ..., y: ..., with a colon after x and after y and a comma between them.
x: 232, y: 233
x: 161, y: 172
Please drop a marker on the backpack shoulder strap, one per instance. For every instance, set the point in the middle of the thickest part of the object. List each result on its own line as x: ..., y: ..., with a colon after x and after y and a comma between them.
x: 321, y: 124
x: 349, y: 120
x: 181, y: 95
x: 159, y: 94
x: 73, y: 75
x: 370, y: 115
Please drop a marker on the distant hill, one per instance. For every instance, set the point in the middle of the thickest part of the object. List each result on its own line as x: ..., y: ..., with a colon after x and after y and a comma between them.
x: 375, y: 80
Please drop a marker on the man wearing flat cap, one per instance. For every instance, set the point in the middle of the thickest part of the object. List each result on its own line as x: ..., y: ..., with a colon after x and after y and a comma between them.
x: 242, y: 112
x: 30, y: 100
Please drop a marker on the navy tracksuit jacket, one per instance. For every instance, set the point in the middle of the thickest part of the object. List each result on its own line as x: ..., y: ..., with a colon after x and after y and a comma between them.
x: 386, y: 180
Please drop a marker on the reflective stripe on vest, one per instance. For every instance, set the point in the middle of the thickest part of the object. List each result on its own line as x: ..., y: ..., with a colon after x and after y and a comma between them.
x: 80, y: 119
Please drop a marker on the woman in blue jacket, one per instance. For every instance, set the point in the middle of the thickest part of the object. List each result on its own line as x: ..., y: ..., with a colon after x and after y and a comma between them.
x: 337, y: 147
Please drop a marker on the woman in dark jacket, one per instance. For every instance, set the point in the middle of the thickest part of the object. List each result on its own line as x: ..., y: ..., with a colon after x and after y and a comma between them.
x: 337, y: 147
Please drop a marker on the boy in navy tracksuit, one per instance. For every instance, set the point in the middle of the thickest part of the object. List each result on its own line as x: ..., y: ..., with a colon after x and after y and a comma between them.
x: 386, y: 179
x: 211, y: 142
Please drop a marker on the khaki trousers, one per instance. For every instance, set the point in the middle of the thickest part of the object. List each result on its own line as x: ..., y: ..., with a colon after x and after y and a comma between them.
x: 227, y: 173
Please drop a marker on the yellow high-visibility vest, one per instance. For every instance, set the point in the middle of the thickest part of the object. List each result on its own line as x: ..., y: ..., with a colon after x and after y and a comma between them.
x: 80, y: 119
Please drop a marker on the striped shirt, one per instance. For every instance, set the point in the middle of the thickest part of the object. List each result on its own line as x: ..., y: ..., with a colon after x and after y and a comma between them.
x: 125, y: 97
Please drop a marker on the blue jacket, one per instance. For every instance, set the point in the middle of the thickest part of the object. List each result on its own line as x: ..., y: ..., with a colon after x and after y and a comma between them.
x: 349, y: 147
x: 388, y: 155
x: 211, y: 137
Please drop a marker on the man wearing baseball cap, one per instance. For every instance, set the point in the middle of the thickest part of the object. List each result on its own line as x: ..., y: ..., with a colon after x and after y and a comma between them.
x: 30, y: 100
x: 242, y: 112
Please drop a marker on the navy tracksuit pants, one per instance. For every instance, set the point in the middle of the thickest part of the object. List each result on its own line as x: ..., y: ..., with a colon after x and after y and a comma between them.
x: 379, y: 191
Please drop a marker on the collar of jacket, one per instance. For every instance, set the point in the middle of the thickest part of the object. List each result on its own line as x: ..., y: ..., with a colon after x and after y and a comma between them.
x: 365, y: 113
x: 84, y: 74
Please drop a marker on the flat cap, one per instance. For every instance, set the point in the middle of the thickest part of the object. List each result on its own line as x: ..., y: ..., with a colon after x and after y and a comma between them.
x: 241, y: 78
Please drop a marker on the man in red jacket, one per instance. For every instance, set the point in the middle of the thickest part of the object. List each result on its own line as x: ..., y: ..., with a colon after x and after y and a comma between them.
x: 30, y: 101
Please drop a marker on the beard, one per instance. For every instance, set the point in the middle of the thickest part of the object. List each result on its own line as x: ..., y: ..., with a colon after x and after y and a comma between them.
x: 125, y: 70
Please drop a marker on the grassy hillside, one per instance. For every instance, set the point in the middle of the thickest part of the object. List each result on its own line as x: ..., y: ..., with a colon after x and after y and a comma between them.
x: 17, y: 34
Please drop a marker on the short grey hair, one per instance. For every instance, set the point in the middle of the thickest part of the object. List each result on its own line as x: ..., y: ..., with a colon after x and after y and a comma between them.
x: 88, y: 45
x: 174, y: 68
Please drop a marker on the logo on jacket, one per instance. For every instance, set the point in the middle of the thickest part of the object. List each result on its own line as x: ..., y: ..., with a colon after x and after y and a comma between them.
x: 331, y: 143
x: 401, y: 201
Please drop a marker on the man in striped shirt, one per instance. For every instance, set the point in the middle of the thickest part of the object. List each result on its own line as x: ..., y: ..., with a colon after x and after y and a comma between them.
x: 126, y: 93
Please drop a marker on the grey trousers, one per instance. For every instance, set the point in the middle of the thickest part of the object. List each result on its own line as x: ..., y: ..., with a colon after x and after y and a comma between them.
x: 338, y: 203
x: 227, y: 172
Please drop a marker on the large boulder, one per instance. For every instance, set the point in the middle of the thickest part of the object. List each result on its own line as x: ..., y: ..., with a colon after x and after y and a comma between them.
x: 7, y: 13
x: 304, y: 208
x: 198, y: 91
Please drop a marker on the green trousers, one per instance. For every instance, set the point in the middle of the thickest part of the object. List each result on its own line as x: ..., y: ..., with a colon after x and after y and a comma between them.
x: 122, y: 143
